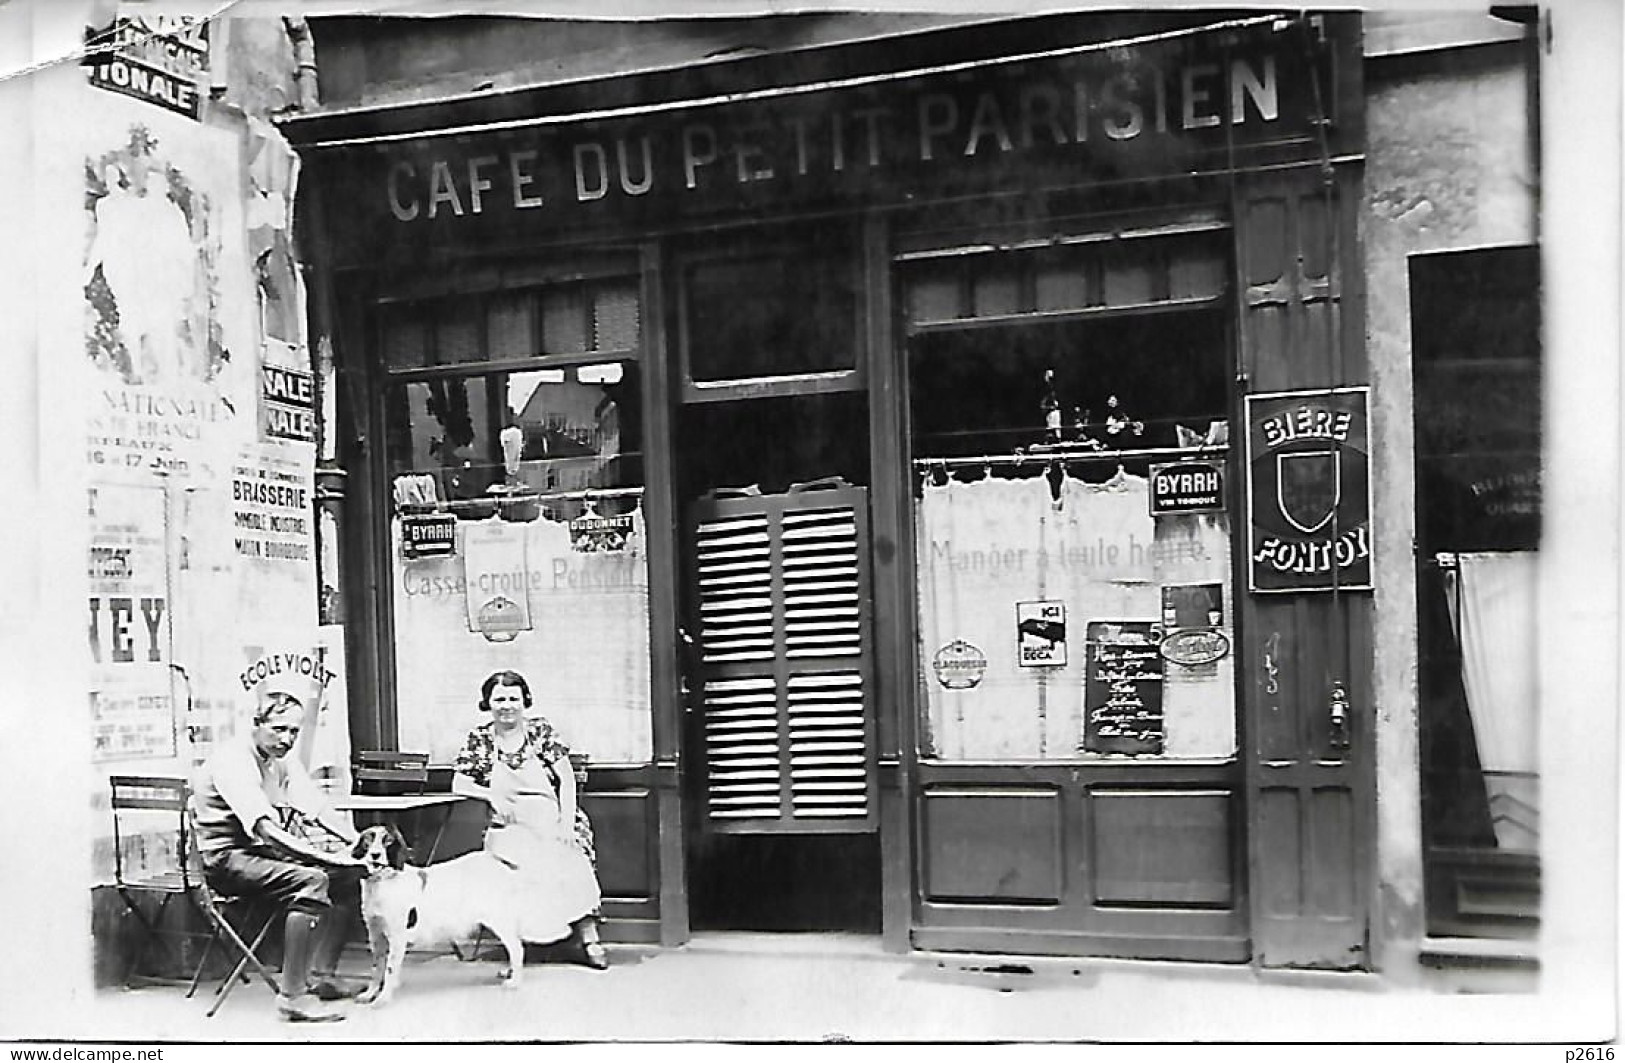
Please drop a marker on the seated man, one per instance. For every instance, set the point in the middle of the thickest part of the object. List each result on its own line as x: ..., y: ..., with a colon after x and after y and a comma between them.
x: 259, y: 820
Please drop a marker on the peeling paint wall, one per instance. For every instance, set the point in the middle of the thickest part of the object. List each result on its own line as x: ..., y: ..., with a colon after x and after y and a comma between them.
x: 160, y: 436
x: 1450, y: 166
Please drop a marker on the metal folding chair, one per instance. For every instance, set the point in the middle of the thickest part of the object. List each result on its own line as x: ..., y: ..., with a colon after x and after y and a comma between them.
x: 135, y: 795
x: 389, y: 771
x: 183, y: 878
x: 257, y: 915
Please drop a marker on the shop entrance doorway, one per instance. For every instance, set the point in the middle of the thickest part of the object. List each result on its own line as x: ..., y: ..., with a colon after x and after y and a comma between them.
x: 778, y: 742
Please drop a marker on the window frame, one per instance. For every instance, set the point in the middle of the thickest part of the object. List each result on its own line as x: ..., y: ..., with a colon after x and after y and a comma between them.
x: 854, y: 378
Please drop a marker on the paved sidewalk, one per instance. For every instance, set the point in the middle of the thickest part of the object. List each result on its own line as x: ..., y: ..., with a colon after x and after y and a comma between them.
x: 808, y: 988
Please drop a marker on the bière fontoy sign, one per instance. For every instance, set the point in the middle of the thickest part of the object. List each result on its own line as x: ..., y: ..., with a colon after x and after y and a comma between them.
x: 1309, y: 491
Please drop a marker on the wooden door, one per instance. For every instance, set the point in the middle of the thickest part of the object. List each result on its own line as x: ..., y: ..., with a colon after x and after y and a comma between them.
x: 1310, y: 796
x: 782, y: 639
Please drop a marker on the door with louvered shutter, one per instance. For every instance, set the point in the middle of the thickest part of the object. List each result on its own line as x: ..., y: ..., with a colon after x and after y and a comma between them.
x: 782, y: 639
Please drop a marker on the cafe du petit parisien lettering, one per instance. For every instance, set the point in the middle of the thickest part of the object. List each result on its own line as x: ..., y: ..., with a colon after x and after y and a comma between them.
x: 929, y: 128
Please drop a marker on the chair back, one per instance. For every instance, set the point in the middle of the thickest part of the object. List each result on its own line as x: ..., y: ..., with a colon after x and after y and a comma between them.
x: 388, y: 771
x: 151, y: 793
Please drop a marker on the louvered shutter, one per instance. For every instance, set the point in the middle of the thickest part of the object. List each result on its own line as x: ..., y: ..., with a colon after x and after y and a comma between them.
x: 782, y: 637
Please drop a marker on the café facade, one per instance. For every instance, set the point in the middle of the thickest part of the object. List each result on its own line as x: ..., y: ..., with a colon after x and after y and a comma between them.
x: 932, y: 467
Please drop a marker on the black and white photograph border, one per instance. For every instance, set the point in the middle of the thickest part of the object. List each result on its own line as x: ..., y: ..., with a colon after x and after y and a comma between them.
x: 218, y: 261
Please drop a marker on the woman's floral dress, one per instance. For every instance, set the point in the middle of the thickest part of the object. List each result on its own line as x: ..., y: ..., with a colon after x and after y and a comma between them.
x: 480, y: 753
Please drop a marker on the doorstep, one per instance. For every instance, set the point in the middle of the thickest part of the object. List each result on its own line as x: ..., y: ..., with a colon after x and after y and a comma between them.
x: 1479, y: 952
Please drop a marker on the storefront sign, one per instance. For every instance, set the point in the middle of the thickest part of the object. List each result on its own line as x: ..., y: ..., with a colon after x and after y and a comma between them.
x: 496, y: 580
x: 159, y: 58
x: 287, y: 404
x: 1040, y: 634
x: 1308, y: 491
x: 1122, y: 694
x: 1136, y: 111
x: 428, y: 535
x: 594, y: 534
x: 959, y: 665
x: 1187, y: 487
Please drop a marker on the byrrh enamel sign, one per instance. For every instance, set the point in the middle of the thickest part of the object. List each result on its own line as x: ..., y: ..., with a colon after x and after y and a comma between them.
x: 1309, y: 491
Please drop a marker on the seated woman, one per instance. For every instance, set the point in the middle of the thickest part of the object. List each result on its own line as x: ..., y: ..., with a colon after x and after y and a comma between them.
x: 517, y: 764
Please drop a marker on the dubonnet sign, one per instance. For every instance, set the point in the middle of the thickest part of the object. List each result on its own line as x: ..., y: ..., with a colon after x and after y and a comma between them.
x: 1308, y: 491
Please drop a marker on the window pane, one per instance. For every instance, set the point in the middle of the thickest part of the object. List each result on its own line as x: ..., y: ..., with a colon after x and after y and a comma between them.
x: 615, y: 317
x: 443, y: 429
x: 405, y: 337
x: 457, y: 332
x: 564, y: 321
x: 576, y: 428
x: 982, y: 391
x: 510, y: 327
x: 1036, y: 582
x: 1475, y: 340
x: 1129, y: 272
x: 762, y: 312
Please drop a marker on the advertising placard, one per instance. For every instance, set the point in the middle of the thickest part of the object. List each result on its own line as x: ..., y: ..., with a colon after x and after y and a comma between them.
x: 1187, y: 487
x: 1122, y: 687
x: 159, y: 58
x: 428, y: 535
x: 1040, y: 634
x: 496, y: 580
x: 271, y: 495
x: 595, y: 534
x: 959, y: 665
x: 1308, y: 491
x: 287, y: 404
x: 132, y: 709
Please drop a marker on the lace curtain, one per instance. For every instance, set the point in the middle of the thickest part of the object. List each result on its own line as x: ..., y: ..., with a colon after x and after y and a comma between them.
x: 985, y: 546
x: 1492, y: 606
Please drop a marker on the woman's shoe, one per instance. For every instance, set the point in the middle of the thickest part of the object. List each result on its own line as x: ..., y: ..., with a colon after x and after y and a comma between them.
x: 594, y: 956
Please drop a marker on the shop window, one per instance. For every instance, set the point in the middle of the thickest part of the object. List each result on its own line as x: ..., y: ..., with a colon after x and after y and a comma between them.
x: 770, y: 314
x: 513, y: 442
x: 1475, y: 323
x: 1059, y: 617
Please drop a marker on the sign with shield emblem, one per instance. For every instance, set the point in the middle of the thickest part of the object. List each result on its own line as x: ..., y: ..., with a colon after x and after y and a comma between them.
x: 1309, y: 491
x: 1308, y: 484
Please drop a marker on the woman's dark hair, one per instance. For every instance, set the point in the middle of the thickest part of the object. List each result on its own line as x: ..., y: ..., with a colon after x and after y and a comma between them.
x: 502, y: 679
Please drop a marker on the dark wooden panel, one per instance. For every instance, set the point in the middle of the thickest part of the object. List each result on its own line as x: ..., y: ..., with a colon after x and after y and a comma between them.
x: 1167, y: 928
x: 992, y: 846
x: 1277, y: 882
x: 1332, y: 871
x: 623, y: 824
x: 1288, y: 290
x: 1162, y: 847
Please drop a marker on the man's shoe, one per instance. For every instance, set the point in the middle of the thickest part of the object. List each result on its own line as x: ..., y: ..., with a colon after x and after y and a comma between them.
x: 594, y: 956
x: 306, y: 1008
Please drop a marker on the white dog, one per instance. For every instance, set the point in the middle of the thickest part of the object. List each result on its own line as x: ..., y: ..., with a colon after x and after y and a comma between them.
x: 406, y: 906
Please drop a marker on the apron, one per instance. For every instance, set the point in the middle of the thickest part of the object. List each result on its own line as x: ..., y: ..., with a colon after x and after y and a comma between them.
x: 556, y: 883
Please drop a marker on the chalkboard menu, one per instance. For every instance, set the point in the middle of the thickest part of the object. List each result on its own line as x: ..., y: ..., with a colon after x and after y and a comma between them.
x: 1122, y: 687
